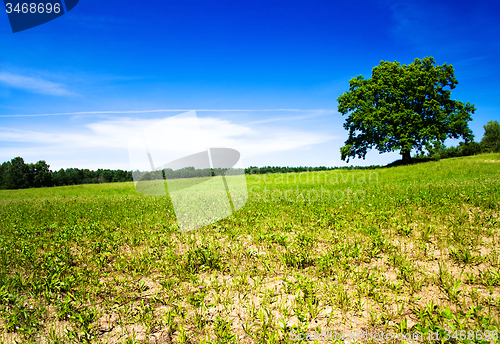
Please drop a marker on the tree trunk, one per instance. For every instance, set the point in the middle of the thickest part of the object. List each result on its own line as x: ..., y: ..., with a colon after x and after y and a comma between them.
x: 406, y: 157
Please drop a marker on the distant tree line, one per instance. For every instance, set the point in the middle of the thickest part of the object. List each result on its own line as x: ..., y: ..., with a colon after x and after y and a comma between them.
x: 490, y: 143
x: 16, y: 174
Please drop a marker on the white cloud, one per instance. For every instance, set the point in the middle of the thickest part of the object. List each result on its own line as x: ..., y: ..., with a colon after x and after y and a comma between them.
x: 33, y: 84
x: 249, y: 140
x: 103, y: 137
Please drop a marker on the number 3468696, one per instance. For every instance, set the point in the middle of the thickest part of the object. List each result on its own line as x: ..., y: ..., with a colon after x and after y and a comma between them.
x: 33, y: 8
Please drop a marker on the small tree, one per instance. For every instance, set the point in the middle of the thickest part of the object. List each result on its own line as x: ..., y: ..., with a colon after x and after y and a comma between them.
x: 470, y: 148
x: 60, y: 178
x: 491, y: 138
x: 402, y: 107
x: 42, y: 174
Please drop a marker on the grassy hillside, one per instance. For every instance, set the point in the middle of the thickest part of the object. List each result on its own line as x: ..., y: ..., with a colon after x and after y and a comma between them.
x: 411, y: 249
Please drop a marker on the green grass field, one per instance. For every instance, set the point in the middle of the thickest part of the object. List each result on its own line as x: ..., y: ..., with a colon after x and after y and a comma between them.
x: 400, y: 251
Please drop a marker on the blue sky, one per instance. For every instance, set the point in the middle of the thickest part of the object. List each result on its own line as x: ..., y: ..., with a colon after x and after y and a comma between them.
x: 106, y: 68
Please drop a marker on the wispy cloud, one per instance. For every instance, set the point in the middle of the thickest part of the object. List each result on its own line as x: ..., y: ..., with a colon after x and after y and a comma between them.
x: 91, y: 113
x: 33, y: 84
x: 115, y: 134
x: 315, y: 113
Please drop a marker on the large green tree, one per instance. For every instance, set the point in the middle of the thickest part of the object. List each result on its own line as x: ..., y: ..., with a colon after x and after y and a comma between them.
x: 403, y: 107
x: 491, y: 138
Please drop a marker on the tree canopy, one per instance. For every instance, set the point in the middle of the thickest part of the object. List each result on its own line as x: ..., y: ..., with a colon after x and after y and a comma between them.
x: 491, y: 138
x: 403, y: 107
